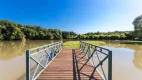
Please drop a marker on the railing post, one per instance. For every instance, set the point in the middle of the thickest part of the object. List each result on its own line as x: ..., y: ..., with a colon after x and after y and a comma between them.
x: 27, y: 65
x: 110, y: 66
x: 80, y: 46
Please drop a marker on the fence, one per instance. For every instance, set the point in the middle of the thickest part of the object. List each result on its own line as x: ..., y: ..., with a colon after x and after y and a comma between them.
x: 98, y: 56
x: 37, y: 59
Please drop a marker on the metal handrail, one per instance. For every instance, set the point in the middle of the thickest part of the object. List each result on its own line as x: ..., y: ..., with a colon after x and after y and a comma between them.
x: 49, y: 51
x: 86, y: 48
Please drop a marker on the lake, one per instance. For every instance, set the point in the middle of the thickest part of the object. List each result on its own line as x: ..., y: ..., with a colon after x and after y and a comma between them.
x: 127, y: 59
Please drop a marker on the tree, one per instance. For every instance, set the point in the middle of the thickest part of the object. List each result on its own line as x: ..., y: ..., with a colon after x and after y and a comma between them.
x: 1, y: 29
x: 10, y: 31
x: 138, y: 26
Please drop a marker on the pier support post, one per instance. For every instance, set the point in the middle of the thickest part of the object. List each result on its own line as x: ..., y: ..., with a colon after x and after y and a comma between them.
x: 27, y: 65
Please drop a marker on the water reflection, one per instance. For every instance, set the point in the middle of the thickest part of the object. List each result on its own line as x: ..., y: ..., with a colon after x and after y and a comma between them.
x: 11, y: 49
x: 137, y: 60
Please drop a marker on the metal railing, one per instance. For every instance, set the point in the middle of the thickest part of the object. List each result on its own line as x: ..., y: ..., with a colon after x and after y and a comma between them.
x: 97, y: 56
x: 37, y: 59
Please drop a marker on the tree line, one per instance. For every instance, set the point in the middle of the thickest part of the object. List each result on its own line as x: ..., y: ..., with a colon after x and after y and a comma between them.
x: 14, y: 31
x: 117, y: 35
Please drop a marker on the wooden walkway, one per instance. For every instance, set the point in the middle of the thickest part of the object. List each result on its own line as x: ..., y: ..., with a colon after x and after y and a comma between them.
x: 65, y: 67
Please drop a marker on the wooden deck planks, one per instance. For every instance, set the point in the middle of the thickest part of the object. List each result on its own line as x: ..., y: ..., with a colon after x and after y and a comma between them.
x: 64, y: 67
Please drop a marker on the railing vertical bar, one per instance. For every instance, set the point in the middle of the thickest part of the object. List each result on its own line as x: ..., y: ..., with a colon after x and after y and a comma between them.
x: 27, y: 65
x: 48, y: 57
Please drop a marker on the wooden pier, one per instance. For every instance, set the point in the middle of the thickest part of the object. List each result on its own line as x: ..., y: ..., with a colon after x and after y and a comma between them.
x: 52, y: 62
x: 65, y: 67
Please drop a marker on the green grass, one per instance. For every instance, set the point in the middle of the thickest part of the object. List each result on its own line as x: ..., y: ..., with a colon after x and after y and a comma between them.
x: 71, y: 45
x: 76, y: 44
x: 96, y: 42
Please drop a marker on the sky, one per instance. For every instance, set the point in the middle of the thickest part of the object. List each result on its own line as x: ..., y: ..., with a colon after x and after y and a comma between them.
x: 80, y: 16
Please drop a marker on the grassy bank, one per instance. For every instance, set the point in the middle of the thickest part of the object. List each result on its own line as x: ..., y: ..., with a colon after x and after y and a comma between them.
x: 76, y: 44
x: 132, y: 42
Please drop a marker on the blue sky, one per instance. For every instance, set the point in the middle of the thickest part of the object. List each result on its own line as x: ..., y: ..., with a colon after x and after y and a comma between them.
x: 80, y: 16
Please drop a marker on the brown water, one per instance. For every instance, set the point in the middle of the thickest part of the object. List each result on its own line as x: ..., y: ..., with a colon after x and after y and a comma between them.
x: 127, y: 59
